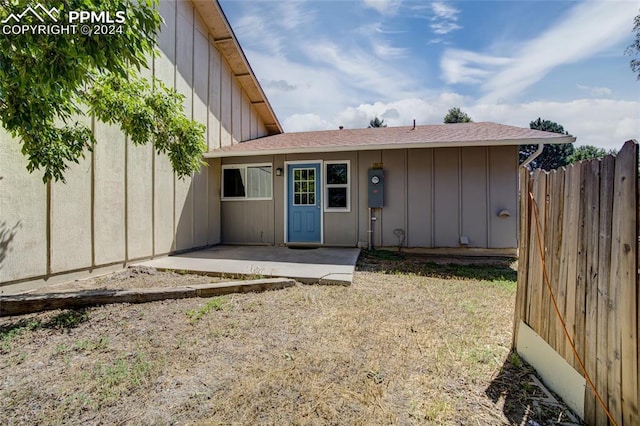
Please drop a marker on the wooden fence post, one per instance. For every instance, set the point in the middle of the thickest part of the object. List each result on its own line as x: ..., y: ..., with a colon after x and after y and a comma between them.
x: 523, y: 253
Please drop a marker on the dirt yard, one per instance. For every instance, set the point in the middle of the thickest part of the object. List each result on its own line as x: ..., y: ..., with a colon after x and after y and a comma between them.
x: 410, y: 342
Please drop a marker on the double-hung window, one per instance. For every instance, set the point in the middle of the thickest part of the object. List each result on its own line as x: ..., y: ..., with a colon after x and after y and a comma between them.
x: 247, y: 182
x: 337, y: 191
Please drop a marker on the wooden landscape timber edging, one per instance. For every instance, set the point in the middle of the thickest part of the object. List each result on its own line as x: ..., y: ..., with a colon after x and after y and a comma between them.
x: 28, y: 303
x: 587, y: 226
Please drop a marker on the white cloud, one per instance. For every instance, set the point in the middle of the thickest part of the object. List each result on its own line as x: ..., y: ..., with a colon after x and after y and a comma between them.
x: 588, y: 29
x: 595, y: 90
x: 358, y: 69
x: 605, y: 123
x: 292, y: 14
x: 444, y: 27
x: 278, y: 85
x: 305, y: 123
x: 463, y: 66
x: 384, y: 50
x: 384, y: 7
x: 444, y: 11
x: 444, y: 18
x: 268, y: 25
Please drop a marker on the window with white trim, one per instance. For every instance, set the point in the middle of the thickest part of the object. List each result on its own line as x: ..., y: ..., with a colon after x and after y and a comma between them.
x: 247, y: 182
x: 337, y: 192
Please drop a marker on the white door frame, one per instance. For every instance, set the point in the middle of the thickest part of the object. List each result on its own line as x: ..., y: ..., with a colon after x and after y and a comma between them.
x: 286, y: 196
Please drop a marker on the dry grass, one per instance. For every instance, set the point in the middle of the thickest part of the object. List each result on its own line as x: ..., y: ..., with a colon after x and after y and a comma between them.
x: 396, y: 348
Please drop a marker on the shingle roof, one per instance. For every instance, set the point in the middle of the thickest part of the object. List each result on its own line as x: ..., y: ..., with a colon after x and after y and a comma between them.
x: 429, y: 136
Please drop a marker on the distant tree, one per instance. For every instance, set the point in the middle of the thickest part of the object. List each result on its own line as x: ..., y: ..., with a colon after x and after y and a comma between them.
x: 587, y: 152
x: 456, y: 115
x: 634, y: 48
x: 547, y: 126
x: 553, y: 155
x: 376, y: 122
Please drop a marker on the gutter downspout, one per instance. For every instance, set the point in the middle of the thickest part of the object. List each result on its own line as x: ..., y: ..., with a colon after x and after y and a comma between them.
x: 533, y: 156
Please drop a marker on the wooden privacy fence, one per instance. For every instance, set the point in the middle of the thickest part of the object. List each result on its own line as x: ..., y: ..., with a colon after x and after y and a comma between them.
x: 579, y: 242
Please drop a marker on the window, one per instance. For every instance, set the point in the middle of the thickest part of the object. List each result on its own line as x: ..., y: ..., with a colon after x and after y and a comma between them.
x: 247, y: 182
x: 337, y: 186
x: 304, y: 187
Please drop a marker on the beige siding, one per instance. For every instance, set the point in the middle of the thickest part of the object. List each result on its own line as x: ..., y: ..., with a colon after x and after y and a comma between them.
x: 23, y: 216
x: 109, y: 194
x: 70, y: 217
x: 278, y: 197
x: 341, y: 228
x: 366, y: 159
x: 503, y: 164
x: 123, y: 202
x: 140, y: 200
x: 236, y: 113
x: 394, y: 214
x: 215, y: 70
x: 420, y: 198
x: 246, y: 118
x: 214, y: 213
x: 183, y: 194
x: 446, y: 197
x: 225, y: 104
x: 434, y: 195
x: 250, y: 222
x: 474, y: 196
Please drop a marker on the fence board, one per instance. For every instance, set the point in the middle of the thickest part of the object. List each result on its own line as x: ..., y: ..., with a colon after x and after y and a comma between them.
x: 547, y: 244
x: 536, y: 277
x: 604, y: 265
x: 581, y: 268
x: 592, y: 219
x: 523, y: 252
x: 588, y: 225
x: 624, y: 239
x: 559, y: 272
x: 571, y: 254
x: 556, y: 233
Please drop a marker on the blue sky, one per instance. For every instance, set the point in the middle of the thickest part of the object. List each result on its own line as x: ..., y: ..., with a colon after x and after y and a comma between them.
x: 324, y: 64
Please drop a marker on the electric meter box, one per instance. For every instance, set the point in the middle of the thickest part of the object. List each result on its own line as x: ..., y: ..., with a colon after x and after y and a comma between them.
x: 376, y: 188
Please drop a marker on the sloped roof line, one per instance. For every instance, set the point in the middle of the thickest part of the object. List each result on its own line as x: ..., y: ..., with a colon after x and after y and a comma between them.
x: 226, y: 42
x: 426, y: 136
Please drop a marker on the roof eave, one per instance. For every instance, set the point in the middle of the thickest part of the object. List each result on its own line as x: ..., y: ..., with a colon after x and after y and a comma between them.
x: 221, y: 33
x: 373, y: 147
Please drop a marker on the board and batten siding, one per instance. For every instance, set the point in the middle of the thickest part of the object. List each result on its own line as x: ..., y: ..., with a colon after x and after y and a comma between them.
x: 434, y: 195
x: 122, y: 202
x: 438, y: 195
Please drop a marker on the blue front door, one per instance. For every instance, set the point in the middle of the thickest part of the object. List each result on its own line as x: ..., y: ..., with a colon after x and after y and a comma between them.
x: 304, y: 205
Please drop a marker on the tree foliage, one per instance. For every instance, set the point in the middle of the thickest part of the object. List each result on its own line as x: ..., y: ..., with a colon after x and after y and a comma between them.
x: 48, y: 80
x: 148, y: 114
x: 376, y: 122
x: 588, y: 152
x: 456, y: 115
x: 634, y: 48
x: 553, y: 155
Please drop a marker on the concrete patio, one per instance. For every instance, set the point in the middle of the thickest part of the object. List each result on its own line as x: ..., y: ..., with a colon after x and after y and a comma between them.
x: 324, y: 265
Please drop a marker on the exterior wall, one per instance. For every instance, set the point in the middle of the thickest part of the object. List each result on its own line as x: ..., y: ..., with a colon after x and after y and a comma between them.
x: 249, y: 221
x: 123, y: 202
x: 434, y: 195
x: 438, y: 195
